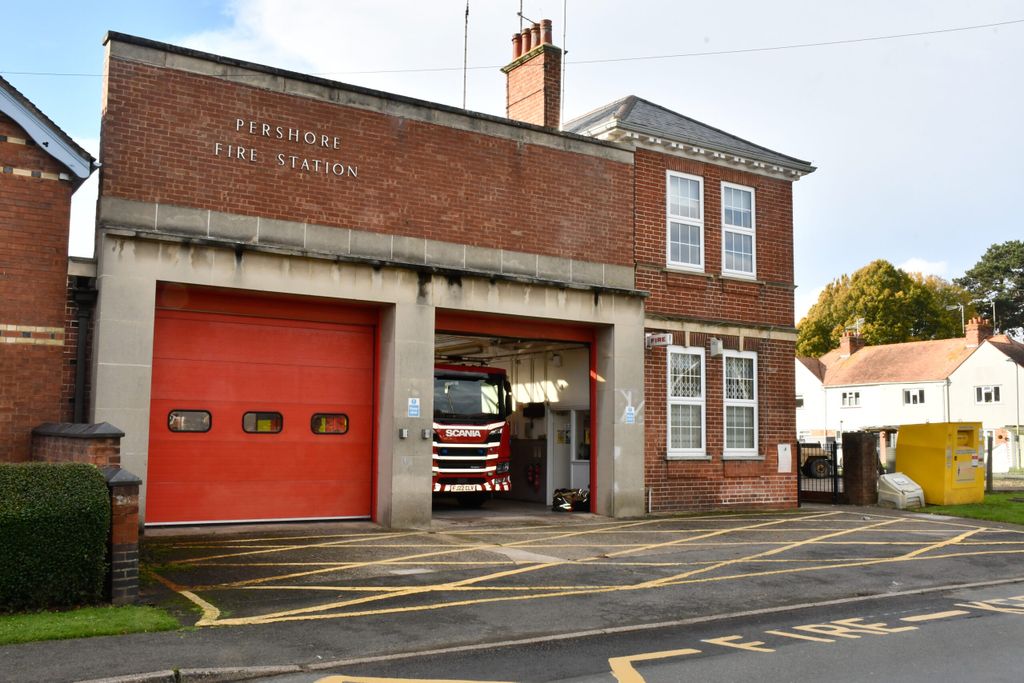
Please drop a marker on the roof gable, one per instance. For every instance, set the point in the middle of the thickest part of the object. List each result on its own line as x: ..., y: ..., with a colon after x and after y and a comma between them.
x: 45, y: 132
x: 641, y: 116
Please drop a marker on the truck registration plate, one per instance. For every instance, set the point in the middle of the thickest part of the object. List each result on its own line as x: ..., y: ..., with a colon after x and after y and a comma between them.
x: 464, y: 487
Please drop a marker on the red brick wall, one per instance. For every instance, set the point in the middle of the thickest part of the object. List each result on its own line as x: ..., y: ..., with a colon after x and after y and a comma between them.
x: 767, y: 301
x: 100, y: 451
x: 34, y: 216
x: 720, y: 483
x: 416, y: 179
x: 72, y: 338
x: 534, y: 89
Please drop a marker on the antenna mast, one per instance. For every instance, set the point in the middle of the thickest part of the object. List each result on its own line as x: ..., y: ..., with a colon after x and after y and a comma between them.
x: 465, y: 55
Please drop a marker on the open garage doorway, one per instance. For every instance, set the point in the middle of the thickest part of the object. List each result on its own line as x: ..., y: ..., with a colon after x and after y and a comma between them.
x: 512, y: 418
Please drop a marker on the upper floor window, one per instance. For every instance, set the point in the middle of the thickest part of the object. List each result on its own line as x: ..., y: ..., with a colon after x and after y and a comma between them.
x: 685, y: 208
x: 851, y: 399
x: 686, y: 401
x: 988, y: 394
x: 740, y: 403
x: 911, y: 397
x: 738, y: 224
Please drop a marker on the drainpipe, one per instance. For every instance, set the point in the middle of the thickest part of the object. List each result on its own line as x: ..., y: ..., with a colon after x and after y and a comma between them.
x: 84, y: 296
x: 945, y: 407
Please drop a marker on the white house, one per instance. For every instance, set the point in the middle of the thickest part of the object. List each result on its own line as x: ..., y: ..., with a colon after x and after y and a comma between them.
x: 976, y: 378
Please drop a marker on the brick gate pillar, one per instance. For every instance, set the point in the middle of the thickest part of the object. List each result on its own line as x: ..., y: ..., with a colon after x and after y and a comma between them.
x: 124, y: 534
x: 860, y: 468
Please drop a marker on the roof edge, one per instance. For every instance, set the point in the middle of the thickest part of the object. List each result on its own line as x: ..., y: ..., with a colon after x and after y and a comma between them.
x: 358, y: 89
x: 45, y: 133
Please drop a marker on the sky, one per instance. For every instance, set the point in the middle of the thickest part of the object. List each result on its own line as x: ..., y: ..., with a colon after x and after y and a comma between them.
x: 917, y: 139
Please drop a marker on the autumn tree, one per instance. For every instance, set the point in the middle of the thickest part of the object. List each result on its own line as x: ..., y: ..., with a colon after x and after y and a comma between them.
x: 999, y: 277
x: 887, y: 304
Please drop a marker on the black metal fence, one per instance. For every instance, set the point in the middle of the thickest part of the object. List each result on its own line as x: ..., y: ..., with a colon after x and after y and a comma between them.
x: 819, y: 474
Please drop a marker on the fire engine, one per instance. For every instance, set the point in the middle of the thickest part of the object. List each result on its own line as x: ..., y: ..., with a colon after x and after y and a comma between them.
x: 471, y: 447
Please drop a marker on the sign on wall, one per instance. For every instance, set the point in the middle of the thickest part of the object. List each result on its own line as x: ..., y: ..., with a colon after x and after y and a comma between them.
x: 304, y: 151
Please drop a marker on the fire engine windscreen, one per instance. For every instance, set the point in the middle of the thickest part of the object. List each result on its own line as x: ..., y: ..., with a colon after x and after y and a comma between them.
x: 468, y: 394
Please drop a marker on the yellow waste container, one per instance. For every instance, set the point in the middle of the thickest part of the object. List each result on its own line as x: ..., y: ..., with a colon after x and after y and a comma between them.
x: 945, y: 458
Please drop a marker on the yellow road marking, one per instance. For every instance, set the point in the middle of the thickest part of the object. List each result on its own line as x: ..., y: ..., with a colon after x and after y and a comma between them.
x: 774, y: 551
x: 479, y: 601
x: 951, y: 541
x: 283, y: 548
x: 622, y: 667
x: 367, y: 679
x: 210, y: 613
x: 385, y: 593
x: 800, y: 636
x: 411, y: 590
x: 935, y: 615
x: 738, y: 643
x: 497, y: 575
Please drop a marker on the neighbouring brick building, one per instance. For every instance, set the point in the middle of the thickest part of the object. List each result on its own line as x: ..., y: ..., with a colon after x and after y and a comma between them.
x: 41, y: 168
x: 273, y: 246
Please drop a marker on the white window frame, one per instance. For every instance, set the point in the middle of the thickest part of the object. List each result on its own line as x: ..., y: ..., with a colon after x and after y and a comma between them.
x: 993, y: 390
x: 850, y: 399
x: 739, y: 453
x: 681, y: 453
x: 751, y: 231
x: 913, y: 397
x: 685, y: 220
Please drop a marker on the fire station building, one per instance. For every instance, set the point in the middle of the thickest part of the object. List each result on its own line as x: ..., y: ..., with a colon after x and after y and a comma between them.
x: 282, y: 260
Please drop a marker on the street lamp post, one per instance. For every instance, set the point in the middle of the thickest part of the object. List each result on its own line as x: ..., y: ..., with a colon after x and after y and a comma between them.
x: 1016, y: 366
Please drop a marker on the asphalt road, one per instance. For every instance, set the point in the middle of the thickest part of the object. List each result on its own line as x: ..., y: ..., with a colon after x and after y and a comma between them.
x: 552, y: 597
x: 955, y: 635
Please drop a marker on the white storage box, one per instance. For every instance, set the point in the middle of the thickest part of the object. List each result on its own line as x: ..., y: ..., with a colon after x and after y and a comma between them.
x: 899, y: 491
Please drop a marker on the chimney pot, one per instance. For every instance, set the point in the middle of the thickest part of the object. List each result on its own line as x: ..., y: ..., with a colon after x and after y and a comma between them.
x: 977, y: 330
x: 533, y: 85
x: 545, y: 32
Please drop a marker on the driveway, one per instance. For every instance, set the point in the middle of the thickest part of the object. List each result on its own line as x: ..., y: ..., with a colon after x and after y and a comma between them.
x: 567, y: 572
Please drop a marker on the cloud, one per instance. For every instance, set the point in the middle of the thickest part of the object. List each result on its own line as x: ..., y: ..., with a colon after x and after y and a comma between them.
x: 920, y: 265
x: 350, y: 41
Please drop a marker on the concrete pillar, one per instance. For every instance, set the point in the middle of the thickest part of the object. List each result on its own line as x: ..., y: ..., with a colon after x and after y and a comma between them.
x: 620, y: 420
x: 122, y: 364
x: 404, y: 493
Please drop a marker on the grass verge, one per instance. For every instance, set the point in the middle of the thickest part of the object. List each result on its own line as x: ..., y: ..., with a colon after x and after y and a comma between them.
x: 997, y: 507
x: 83, y: 623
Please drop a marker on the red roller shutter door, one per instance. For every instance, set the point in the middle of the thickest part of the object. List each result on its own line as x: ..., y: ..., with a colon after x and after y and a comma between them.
x: 232, y: 364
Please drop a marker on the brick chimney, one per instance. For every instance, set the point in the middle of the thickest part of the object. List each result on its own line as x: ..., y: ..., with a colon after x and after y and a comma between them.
x: 534, y: 88
x: 849, y: 344
x: 977, y: 330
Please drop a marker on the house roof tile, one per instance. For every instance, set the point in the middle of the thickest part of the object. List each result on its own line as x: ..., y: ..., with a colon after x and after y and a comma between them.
x: 641, y: 116
x: 921, y: 361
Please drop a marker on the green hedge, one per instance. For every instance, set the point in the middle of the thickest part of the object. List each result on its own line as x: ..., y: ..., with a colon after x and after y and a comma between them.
x: 54, y: 522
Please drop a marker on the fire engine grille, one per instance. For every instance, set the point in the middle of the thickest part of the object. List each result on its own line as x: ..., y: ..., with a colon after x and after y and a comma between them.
x: 461, y: 464
x: 442, y: 450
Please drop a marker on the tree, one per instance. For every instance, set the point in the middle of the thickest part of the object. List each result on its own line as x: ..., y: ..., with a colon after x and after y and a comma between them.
x: 999, y: 277
x: 888, y: 306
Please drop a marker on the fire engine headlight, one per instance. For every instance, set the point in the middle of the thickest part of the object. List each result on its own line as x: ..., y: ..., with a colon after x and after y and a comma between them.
x: 501, y: 468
